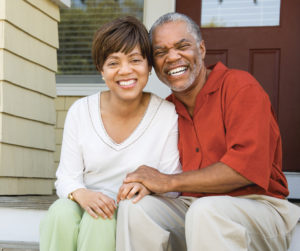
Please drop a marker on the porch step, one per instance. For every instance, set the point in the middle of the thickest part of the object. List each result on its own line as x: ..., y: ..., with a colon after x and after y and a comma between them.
x: 18, y: 246
x: 20, y: 218
x: 27, y: 202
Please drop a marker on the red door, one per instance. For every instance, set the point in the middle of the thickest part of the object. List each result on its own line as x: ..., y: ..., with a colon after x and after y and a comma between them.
x: 272, y: 55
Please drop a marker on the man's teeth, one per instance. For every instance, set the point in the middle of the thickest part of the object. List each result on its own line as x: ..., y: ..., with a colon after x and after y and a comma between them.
x: 177, y: 71
x: 126, y: 83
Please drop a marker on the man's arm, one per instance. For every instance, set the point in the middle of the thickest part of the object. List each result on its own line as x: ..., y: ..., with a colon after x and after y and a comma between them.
x: 216, y: 178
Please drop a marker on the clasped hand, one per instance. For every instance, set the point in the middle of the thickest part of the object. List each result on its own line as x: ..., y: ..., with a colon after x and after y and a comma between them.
x: 98, y: 204
x: 95, y: 203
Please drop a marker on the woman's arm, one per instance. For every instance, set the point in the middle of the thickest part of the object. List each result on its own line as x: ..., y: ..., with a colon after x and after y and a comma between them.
x: 70, y: 171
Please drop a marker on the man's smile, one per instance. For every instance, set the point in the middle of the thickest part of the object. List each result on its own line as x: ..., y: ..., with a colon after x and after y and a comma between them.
x: 177, y: 71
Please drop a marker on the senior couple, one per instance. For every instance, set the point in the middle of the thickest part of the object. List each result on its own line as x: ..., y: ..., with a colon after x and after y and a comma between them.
x: 201, y: 171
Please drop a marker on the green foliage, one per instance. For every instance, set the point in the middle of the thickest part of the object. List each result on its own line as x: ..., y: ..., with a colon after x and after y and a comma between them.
x: 77, y: 28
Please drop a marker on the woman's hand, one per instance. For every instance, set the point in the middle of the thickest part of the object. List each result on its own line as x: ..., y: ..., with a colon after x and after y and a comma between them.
x: 95, y: 203
x: 127, y: 191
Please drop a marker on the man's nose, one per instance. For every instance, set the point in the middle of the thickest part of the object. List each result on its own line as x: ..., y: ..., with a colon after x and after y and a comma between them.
x: 173, y: 55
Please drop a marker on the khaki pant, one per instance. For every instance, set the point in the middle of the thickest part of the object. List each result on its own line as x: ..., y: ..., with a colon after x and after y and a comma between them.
x: 217, y: 223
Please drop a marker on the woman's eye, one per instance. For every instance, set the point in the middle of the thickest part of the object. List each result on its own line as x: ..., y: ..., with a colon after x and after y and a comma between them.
x: 112, y: 63
x: 136, y: 60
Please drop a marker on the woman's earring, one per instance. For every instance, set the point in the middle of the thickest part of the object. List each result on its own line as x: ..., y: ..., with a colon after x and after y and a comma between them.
x: 103, y: 78
x: 150, y: 73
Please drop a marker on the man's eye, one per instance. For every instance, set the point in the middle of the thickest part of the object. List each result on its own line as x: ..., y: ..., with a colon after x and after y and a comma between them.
x: 159, y: 53
x: 183, y: 46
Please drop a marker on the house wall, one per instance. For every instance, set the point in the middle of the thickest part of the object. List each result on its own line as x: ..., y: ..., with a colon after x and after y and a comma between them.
x: 62, y: 105
x: 28, y: 45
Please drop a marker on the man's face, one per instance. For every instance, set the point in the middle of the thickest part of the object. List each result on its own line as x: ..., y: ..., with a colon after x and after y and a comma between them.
x: 177, y: 56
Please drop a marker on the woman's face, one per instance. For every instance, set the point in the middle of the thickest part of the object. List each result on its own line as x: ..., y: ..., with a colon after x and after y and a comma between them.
x: 126, y: 75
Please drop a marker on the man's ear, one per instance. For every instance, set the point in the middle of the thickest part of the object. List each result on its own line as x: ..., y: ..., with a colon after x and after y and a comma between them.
x: 202, y: 49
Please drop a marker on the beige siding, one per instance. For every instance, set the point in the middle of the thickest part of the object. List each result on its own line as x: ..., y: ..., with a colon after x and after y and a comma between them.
x: 28, y: 46
x: 62, y: 104
x: 25, y: 162
x: 27, y: 104
x: 29, y: 133
x: 48, y: 7
x: 46, y: 28
x: 16, y: 185
x: 29, y: 75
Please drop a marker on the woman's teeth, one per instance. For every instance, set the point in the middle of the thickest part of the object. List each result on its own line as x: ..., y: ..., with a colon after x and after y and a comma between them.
x: 177, y: 71
x: 127, y: 83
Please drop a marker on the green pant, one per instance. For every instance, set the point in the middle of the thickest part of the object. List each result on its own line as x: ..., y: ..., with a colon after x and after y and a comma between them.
x: 67, y: 227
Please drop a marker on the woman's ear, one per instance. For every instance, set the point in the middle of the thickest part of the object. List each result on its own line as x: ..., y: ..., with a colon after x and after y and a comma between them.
x: 102, y: 75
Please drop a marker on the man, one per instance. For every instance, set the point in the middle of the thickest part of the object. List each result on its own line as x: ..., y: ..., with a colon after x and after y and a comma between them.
x: 232, y: 184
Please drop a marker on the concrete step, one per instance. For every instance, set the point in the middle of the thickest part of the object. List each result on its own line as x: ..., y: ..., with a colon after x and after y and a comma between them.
x: 20, y: 218
x: 27, y: 201
x: 18, y: 246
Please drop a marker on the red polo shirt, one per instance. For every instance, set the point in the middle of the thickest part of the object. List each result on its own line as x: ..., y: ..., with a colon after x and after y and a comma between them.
x: 233, y: 123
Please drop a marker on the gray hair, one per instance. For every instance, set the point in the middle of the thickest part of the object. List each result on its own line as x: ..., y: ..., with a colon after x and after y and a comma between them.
x: 192, y: 27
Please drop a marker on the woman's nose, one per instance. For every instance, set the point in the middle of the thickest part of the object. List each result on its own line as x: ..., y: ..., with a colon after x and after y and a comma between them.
x: 125, y: 68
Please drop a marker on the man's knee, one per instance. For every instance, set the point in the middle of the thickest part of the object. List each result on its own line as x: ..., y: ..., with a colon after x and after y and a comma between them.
x: 158, y: 209
x: 208, y: 207
x: 133, y: 209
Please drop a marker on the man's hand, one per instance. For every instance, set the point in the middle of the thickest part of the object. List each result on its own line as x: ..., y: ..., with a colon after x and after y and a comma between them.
x: 127, y: 191
x: 151, y: 178
x: 216, y: 178
x: 95, y: 203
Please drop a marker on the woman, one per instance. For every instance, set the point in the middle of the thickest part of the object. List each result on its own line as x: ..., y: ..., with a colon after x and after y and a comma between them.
x: 106, y: 136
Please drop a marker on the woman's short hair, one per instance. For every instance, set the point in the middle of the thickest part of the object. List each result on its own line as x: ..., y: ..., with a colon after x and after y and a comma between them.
x: 120, y: 35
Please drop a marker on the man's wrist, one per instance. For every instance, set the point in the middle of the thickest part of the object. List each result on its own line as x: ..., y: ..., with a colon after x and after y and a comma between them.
x: 171, y: 186
x: 177, y: 182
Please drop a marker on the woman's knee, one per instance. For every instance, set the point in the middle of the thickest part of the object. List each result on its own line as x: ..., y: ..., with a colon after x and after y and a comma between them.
x: 65, y: 210
x: 90, y: 222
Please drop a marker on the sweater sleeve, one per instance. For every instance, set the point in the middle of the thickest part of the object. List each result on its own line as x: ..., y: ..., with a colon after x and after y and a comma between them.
x: 169, y: 161
x: 70, y: 170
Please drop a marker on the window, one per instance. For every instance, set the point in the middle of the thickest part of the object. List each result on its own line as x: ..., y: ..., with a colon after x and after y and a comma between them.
x: 240, y: 13
x: 76, y: 30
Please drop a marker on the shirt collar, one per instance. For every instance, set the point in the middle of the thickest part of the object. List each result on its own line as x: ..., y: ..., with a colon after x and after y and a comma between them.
x: 213, y: 82
x: 211, y: 85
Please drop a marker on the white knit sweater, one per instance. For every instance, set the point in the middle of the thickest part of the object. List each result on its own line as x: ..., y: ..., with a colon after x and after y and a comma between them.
x: 91, y: 159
